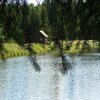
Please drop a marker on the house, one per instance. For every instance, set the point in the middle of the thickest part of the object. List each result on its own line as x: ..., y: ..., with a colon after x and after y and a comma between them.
x: 40, y: 37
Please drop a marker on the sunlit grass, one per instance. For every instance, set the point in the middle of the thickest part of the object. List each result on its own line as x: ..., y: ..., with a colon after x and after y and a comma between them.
x: 81, y: 47
x: 13, y: 49
x: 41, y: 48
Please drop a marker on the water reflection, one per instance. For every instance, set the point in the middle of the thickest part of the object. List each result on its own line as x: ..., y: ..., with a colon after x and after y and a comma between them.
x: 54, y: 84
x: 18, y: 80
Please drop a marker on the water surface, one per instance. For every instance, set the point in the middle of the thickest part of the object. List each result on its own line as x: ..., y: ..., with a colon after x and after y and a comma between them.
x: 19, y: 81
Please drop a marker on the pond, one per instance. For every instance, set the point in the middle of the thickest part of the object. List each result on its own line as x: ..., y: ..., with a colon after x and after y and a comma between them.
x: 19, y: 80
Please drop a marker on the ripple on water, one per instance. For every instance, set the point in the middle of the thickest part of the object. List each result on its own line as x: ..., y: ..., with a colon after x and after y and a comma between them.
x: 19, y: 81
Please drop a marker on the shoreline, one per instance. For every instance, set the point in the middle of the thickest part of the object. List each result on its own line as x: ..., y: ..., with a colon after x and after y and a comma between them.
x: 14, y: 50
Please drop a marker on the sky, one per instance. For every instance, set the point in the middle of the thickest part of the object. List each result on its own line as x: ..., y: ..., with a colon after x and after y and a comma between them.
x: 34, y: 1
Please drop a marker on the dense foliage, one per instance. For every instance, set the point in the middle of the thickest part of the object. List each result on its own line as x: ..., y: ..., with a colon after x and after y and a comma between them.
x: 61, y: 19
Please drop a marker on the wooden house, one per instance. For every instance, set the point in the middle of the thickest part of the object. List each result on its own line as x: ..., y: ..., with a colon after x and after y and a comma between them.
x: 40, y: 37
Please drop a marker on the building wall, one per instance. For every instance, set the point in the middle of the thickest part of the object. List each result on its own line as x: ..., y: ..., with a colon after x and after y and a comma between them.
x: 39, y: 38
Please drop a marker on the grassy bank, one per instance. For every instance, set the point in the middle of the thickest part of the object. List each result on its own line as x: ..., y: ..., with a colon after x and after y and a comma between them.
x: 13, y: 49
x: 82, y: 46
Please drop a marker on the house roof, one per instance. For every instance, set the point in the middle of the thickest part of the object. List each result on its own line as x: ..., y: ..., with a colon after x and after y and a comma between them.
x: 43, y: 33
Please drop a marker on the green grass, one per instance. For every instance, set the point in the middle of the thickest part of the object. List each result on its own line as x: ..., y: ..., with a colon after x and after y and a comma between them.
x: 41, y: 48
x: 80, y: 47
x: 13, y: 49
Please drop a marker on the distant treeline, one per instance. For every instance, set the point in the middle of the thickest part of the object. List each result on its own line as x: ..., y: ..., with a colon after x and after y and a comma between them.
x: 60, y: 19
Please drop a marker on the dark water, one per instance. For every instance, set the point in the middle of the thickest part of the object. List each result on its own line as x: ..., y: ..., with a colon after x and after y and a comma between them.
x: 19, y: 81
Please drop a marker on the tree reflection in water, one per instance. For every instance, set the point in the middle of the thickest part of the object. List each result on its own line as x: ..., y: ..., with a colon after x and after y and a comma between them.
x: 66, y: 65
x: 32, y: 58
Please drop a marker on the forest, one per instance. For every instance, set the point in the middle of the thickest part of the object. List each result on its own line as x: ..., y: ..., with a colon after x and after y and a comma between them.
x: 62, y: 20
